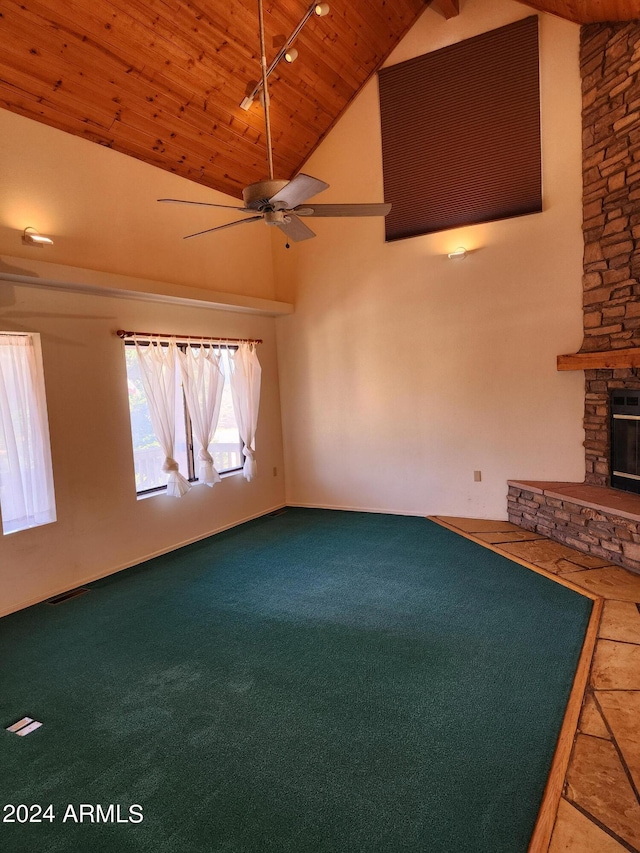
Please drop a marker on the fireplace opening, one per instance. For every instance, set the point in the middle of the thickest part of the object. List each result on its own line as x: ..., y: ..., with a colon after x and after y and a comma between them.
x: 625, y: 440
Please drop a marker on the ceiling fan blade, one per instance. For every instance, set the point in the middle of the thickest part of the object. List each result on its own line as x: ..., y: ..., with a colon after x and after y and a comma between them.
x: 201, y: 203
x: 220, y: 227
x: 344, y: 210
x: 295, y: 229
x: 298, y: 190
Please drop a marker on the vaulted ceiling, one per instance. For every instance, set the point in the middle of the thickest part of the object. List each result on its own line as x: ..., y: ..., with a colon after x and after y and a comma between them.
x: 162, y: 80
x: 589, y: 11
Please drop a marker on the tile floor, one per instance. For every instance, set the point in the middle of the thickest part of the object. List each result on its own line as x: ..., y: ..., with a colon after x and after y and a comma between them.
x: 599, y: 811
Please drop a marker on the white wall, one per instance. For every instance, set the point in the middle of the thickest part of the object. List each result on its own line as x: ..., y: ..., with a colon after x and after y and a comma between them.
x: 101, y: 526
x: 402, y: 372
x: 101, y: 208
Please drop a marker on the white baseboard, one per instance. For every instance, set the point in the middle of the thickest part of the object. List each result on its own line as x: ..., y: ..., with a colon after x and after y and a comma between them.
x: 104, y: 574
x: 359, y: 509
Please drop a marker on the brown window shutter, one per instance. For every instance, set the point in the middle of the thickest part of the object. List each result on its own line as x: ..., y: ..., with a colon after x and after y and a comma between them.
x: 461, y: 133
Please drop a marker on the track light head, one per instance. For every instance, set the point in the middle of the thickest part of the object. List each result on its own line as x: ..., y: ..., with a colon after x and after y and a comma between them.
x: 286, y: 52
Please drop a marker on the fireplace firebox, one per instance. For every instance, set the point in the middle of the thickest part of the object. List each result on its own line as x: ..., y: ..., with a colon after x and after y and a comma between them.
x: 625, y: 440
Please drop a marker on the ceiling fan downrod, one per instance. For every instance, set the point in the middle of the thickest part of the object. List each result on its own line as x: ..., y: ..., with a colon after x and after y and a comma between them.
x: 265, y: 89
x: 280, y: 202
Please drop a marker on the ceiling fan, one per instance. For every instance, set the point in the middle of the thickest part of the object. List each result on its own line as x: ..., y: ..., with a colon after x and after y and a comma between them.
x: 280, y: 202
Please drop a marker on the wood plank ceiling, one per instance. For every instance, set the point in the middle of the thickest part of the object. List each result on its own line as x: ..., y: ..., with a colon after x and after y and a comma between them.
x: 162, y: 80
x: 589, y: 11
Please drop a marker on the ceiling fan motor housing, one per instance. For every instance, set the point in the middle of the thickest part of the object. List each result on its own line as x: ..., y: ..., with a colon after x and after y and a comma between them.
x: 256, y: 196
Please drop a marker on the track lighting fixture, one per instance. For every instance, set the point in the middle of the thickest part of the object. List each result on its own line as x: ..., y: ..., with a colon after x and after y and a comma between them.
x: 31, y: 237
x: 276, y: 202
x: 286, y: 52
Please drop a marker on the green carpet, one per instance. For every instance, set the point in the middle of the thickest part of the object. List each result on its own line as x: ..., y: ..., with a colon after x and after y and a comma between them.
x: 311, y: 682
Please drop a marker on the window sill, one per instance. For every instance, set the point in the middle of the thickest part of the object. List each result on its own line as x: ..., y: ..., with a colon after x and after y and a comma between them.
x: 163, y: 492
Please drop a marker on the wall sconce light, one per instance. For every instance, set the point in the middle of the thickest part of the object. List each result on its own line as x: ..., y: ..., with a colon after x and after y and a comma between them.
x: 458, y: 255
x: 30, y: 237
x: 291, y: 55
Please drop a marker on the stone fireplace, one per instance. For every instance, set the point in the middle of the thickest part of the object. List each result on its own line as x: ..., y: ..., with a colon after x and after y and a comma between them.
x: 610, y: 66
x: 624, y: 459
x: 592, y: 516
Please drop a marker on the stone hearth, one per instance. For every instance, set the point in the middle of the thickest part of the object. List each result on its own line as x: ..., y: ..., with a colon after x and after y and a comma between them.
x: 600, y: 521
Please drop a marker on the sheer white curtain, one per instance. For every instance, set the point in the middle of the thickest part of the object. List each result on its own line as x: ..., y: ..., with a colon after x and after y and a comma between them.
x: 245, y: 391
x: 158, y: 372
x: 26, y: 477
x: 202, y: 381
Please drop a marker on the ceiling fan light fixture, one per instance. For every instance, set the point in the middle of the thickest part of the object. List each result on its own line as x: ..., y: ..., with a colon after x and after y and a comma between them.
x: 291, y: 55
x: 321, y: 9
x: 31, y: 237
x: 275, y: 217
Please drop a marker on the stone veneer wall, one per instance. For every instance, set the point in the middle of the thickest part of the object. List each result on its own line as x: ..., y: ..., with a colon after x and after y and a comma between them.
x: 607, y: 536
x: 610, y: 67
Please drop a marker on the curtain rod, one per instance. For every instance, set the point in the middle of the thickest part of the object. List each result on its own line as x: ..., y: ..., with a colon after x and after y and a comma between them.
x: 121, y: 333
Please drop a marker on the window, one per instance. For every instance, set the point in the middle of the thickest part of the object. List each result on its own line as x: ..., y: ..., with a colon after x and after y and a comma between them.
x: 26, y: 476
x: 226, y: 447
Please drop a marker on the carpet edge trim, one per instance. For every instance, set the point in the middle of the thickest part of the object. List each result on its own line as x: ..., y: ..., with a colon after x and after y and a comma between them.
x: 370, y: 510
x: 545, y: 822
x: 527, y: 565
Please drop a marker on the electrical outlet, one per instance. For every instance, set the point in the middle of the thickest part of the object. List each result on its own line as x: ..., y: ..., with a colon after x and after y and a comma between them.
x: 477, y: 476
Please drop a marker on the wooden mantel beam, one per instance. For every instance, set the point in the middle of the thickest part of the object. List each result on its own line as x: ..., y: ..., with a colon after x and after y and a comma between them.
x: 448, y: 8
x: 609, y: 360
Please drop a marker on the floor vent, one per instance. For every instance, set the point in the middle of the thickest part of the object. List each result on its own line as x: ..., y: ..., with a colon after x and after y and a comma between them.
x: 66, y: 596
x: 278, y: 512
x: 24, y: 726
